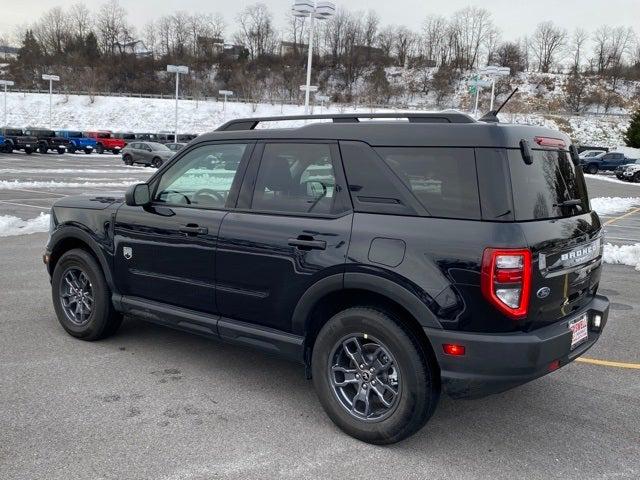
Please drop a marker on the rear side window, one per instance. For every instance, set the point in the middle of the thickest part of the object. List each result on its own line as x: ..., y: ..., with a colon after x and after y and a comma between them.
x: 444, y: 180
x: 540, y: 189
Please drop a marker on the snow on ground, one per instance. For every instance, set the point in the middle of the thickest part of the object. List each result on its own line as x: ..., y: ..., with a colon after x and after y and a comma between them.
x: 10, y: 225
x: 623, y: 254
x: 613, y: 205
x: 80, y: 112
x: 606, y: 178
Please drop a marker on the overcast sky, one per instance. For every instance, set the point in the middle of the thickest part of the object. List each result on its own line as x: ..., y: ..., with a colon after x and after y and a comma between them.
x: 515, y: 17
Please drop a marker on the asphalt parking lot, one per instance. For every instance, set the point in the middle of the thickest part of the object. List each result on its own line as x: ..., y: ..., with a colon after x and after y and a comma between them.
x: 153, y: 403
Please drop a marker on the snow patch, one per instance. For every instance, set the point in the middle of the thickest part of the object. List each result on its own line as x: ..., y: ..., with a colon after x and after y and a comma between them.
x: 18, y: 185
x: 613, y: 205
x: 622, y: 255
x: 10, y: 225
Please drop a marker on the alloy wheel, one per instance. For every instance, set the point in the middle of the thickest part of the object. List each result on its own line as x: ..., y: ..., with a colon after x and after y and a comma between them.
x: 76, y: 296
x: 364, y: 377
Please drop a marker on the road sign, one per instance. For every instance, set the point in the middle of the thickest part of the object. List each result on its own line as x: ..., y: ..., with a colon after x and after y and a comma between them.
x: 323, y: 98
x: 177, y: 69
x: 7, y: 83
x: 479, y: 83
x: 54, y: 78
x: 228, y: 93
x: 312, y: 88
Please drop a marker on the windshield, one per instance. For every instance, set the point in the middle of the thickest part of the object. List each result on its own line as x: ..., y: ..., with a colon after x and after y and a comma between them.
x: 76, y: 134
x: 541, y: 190
x: 104, y: 135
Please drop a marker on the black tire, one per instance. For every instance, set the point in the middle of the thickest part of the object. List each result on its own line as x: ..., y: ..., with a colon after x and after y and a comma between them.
x: 103, y: 320
x: 157, y: 162
x: 43, y: 149
x: 418, y: 382
x: 88, y: 151
x: 592, y: 169
x: 28, y: 151
x: 636, y: 177
x: 71, y: 149
x: 127, y: 159
x: 100, y: 148
x: 61, y: 150
x: 8, y: 148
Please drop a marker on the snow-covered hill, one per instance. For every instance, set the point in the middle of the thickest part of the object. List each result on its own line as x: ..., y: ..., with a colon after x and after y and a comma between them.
x: 154, y: 115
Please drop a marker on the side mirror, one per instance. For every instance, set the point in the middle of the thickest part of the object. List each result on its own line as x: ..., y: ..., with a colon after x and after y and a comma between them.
x: 138, y: 195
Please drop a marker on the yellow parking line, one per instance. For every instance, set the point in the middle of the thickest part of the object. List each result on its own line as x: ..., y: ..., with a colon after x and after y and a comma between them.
x: 607, y: 363
x: 631, y: 212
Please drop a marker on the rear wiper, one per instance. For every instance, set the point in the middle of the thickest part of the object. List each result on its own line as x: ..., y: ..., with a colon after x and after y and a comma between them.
x: 574, y: 202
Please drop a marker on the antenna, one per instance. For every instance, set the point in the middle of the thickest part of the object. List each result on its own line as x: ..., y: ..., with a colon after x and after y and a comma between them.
x: 492, y: 116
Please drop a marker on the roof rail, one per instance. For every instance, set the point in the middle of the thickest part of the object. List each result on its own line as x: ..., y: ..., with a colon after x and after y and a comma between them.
x: 441, y: 117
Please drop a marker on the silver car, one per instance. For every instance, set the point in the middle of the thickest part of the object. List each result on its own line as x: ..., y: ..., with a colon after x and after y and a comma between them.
x: 147, y: 153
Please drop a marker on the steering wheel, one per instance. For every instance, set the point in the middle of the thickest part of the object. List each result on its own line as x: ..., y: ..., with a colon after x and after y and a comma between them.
x: 219, y: 197
x: 178, y: 193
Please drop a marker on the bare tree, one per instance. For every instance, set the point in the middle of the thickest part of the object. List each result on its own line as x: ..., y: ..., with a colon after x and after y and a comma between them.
x: 257, y: 33
x: 52, y: 31
x: 470, y: 29
x: 433, y: 39
x: 385, y: 40
x: 404, y: 42
x: 112, y: 27
x: 546, y: 43
x: 80, y: 19
x: 578, y: 41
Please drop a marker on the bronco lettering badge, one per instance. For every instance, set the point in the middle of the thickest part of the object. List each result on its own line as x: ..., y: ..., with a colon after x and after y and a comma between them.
x: 127, y: 252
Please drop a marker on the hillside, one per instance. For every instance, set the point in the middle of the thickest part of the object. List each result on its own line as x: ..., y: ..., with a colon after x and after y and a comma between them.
x: 153, y: 115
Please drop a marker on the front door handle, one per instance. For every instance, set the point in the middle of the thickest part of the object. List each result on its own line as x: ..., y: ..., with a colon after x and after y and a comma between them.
x: 192, y: 229
x: 304, y: 242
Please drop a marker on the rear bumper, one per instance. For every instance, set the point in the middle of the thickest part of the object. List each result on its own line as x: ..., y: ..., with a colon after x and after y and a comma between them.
x: 497, y: 362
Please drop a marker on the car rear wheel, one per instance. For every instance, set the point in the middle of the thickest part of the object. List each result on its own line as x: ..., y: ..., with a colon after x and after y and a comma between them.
x: 42, y: 149
x: 157, y: 162
x: 72, y: 149
x: 88, y: 151
x: 81, y: 297
x: 61, y: 150
x: 373, y: 377
x: 636, y: 177
x: 28, y: 151
x: 592, y: 169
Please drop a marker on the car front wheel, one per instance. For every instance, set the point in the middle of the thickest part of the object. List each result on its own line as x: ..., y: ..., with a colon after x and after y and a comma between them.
x: 157, y: 162
x: 374, y: 379
x: 592, y: 169
x: 127, y: 160
x: 636, y: 177
x: 81, y: 297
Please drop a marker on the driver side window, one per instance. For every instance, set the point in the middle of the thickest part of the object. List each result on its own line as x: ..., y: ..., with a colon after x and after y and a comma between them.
x: 202, y: 178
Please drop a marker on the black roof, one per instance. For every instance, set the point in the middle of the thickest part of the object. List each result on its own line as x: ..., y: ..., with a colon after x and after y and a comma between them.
x: 458, y: 130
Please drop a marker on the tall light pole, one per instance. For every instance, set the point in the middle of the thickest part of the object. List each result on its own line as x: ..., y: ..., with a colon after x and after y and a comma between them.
x: 226, y: 93
x: 313, y: 10
x: 177, y: 69
x: 6, y: 83
x: 494, y: 71
x: 51, y: 78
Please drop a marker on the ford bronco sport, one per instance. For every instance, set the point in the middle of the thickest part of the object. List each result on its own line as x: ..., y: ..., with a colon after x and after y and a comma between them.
x: 392, y: 259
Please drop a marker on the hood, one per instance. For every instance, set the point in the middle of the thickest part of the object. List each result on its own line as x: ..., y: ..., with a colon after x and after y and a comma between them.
x: 97, y: 201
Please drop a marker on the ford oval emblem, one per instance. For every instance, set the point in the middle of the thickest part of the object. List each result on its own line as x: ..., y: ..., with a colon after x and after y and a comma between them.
x: 543, y: 292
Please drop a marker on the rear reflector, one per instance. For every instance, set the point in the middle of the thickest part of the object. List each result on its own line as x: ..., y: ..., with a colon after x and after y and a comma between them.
x: 506, y: 280
x: 550, y: 142
x: 453, y: 349
x: 555, y: 365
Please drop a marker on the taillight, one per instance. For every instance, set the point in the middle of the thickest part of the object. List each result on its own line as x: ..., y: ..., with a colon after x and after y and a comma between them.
x: 506, y: 280
x: 550, y: 142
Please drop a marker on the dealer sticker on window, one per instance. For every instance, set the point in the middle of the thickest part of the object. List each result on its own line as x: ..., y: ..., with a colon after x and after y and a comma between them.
x: 579, y: 331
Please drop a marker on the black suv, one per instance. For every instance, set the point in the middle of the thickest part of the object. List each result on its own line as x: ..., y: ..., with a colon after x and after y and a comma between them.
x: 390, y: 258
x: 48, y: 140
x: 17, y: 139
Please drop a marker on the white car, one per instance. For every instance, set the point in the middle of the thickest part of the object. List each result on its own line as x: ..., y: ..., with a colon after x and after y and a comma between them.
x: 591, y: 154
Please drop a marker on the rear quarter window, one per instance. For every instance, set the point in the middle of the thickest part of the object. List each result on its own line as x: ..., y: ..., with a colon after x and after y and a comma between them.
x: 443, y: 180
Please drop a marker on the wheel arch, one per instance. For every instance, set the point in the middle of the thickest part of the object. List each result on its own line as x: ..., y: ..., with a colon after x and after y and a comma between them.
x: 337, y: 292
x: 68, y: 238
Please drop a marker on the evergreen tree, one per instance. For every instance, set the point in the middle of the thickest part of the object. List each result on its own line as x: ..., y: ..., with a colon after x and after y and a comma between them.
x: 632, y: 136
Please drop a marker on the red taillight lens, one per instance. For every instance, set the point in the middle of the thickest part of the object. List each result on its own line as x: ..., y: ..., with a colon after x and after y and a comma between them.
x: 550, y: 142
x: 506, y: 280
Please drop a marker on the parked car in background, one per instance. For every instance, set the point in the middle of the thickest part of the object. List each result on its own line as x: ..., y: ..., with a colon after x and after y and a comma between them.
x: 128, y: 137
x: 622, y: 168
x: 148, y: 137
x: 630, y: 172
x: 105, y: 141
x: 592, y: 153
x: 170, y: 137
x: 586, y: 148
x: 176, y: 147
x: 77, y: 141
x: 607, y: 162
x: 1, y: 142
x: 47, y: 140
x: 17, y: 139
x: 146, y: 153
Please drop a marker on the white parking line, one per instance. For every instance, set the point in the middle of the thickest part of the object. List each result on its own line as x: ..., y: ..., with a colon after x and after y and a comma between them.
x: 24, y: 205
x: 37, y: 191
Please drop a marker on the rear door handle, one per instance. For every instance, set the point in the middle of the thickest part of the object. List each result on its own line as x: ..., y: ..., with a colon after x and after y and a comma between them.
x: 191, y: 229
x: 308, y: 244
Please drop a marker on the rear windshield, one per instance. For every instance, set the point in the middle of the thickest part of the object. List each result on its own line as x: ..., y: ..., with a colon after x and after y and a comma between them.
x: 540, y: 189
x: 443, y: 180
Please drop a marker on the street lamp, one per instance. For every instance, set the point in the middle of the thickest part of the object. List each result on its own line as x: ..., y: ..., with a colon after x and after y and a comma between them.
x: 6, y: 83
x: 226, y: 93
x: 177, y: 69
x: 314, y: 10
x: 51, y: 78
x: 494, y: 71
